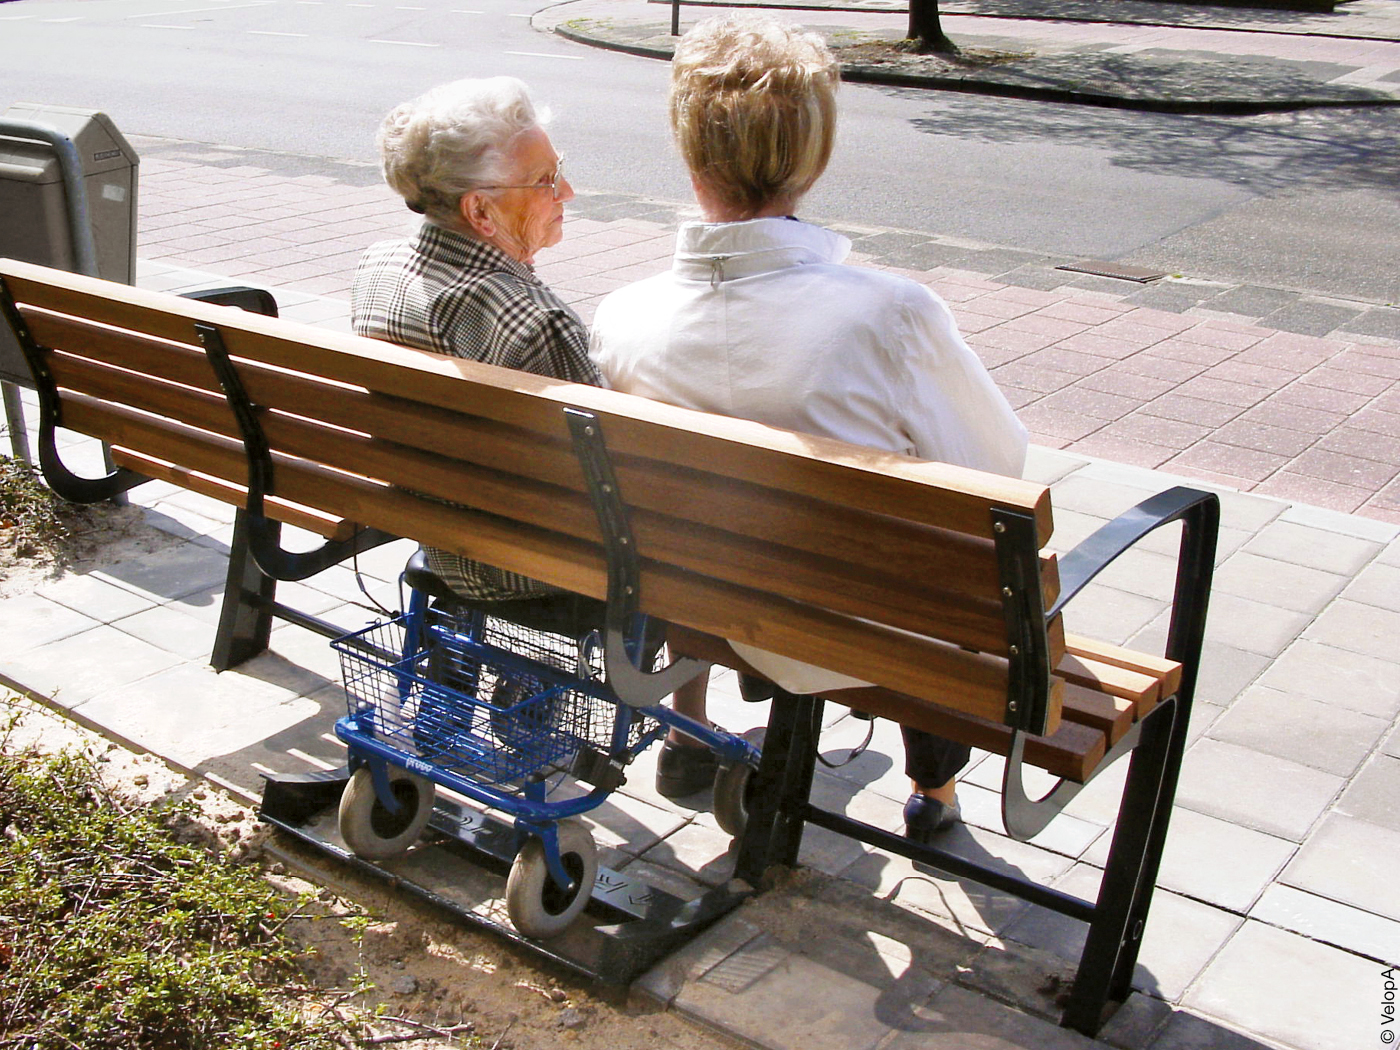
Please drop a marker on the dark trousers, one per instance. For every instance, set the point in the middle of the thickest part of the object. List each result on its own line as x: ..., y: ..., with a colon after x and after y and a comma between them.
x: 931, y: 761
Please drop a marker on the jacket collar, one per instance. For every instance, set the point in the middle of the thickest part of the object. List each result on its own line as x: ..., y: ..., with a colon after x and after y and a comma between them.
x: 724, y: 251
x: 457, y: 249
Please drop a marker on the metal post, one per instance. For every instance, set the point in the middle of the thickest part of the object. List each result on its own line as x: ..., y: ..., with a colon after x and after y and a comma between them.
x: 14, y: 416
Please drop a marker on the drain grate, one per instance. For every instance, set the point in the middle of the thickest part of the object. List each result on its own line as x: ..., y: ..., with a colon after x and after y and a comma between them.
x: 1115, y: 270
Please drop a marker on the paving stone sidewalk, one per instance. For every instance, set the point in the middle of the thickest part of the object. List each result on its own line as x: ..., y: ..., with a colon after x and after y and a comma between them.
x: 1265, y: 390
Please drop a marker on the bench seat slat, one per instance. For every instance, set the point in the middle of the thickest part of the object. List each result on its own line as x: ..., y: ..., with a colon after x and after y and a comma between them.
x: 1143, y: 690
x: 1110, y: 715
x: 1168, y: 672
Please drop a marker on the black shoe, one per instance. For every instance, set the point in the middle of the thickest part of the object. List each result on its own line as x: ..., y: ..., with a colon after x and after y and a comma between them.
x: 755, y: 690
x: 925, y: 817
x: 683, y: 770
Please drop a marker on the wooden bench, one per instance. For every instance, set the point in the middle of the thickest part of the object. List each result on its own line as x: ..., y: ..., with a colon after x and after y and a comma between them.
x: 928, y: 580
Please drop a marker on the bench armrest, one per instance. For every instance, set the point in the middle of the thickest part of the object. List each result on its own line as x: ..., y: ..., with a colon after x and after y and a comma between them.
x: 1098, y: 551
x: 254, y: 300
x: 1199, y: 513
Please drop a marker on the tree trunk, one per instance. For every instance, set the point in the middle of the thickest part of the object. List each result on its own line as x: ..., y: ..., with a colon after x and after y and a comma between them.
x: 926, y: 30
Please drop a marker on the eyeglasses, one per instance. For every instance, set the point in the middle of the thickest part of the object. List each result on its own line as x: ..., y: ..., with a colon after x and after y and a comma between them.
x: 551, y: 183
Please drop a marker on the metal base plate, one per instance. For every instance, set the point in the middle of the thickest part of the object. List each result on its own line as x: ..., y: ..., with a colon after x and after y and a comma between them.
x: 460, y: 866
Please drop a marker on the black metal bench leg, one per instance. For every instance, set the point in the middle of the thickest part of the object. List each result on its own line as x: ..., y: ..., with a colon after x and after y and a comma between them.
x: 781, y: 745
x: 797, y: 786
x: 245, y: 620
x: 1130, y: 876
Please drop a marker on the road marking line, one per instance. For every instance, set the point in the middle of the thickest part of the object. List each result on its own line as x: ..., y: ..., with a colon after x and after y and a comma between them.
x: 404, y: 43
x: 410, y: 8
x: 541, y: 54
x: 200, y: 10
x: 271, y: 32
x: 455, y: 12
x: 152, y: 25
x: 310, y: 760
x: 517, y: 14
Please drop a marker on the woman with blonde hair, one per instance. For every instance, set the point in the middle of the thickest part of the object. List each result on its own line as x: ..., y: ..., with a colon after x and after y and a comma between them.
x: 758, y: 318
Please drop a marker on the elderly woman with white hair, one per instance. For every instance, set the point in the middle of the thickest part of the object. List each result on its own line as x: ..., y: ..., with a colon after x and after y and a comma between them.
x: 472, y: 157
x: 758, y: 318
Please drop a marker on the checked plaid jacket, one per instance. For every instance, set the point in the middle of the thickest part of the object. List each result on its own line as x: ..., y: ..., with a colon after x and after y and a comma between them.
x: 448, y: 293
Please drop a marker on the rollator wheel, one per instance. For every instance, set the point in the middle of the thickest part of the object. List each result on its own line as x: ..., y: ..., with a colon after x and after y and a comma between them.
x: 536, y: 905
x: 369, y: 829
x: 732, y: 787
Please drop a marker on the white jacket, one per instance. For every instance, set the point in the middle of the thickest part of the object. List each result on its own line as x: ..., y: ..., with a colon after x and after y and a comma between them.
x: 760, y: 320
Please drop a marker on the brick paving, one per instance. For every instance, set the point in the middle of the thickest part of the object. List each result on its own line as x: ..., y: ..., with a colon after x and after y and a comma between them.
x: 1177, y: 375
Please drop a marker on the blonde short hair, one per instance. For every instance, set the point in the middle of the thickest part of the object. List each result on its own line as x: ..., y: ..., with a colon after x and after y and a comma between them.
x: 753, y: 108
x: 452, y: 140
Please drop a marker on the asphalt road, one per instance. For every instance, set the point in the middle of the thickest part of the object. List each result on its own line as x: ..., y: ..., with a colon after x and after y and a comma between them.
x: 1306, y: 201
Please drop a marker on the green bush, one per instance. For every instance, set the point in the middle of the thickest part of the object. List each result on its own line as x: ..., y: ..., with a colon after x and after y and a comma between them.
x: 114, y: 934
x: 28, y: 507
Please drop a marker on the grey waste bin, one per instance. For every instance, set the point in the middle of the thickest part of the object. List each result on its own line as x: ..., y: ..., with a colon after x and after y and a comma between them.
x: 36, y: 217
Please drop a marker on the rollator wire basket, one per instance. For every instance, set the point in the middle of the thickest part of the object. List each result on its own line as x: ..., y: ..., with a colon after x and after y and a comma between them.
x: 483, y: 697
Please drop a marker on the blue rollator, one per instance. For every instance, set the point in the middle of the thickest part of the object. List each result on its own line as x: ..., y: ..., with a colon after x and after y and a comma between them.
x: 448, y: 696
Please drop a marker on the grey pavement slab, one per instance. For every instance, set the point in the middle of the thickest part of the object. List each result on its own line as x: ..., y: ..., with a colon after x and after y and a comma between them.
x: 1361, y: 628
x: 74, y: 669
x: 1290, y: 989
x: 169, y: 574
x: 1352, y: 861
x: 167, y: 627
x: 1066, y: 834
x: 1331, y: 922
x: 1374, y: 794
x: 1136, y: 1022
x: 1255, y: 790
x: 1181, y: 937
x: 957, y: 1019
x: 1337, y: 676
x: 1254, y: 626
x: 1191, y: 860
x: 1378, y: 584
x: 958, y: 903
x: 1313, y: 547
x: 1187, y: 1031
x: 1320, y: 735
x: 1281, y: 583
x: 189, y: 715
x: 747, y: 994
x: 94, y: 597
x: 31, y: 620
